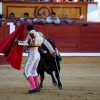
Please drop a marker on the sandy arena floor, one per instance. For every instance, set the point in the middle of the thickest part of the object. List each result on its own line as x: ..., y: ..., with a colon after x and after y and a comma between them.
x: 81, y: 81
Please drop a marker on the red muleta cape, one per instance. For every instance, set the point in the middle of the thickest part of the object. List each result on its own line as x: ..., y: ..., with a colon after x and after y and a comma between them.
x: 11, y: 50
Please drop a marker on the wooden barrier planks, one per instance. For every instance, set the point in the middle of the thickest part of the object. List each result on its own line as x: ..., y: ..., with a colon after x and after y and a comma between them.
x: 90, y: 39
x: 4, y: 32
x: 67, y: 38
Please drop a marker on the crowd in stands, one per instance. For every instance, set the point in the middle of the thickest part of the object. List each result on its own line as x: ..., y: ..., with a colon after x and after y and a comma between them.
x: 39, y: 19
x: 54, y: 0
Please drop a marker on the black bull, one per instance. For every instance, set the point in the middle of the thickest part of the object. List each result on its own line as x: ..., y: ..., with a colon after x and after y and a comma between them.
x: 49, y: 64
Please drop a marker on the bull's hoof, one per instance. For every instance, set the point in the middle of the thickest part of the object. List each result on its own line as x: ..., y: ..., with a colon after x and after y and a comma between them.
x: 55, y: 84
x: 60, y: 87
x: 39, y: 89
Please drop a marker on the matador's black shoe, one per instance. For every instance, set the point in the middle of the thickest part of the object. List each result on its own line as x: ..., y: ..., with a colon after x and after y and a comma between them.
x: 39, y: 89
x: 32, y: 91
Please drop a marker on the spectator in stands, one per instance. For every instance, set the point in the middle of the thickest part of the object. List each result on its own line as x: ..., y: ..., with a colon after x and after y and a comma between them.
x: 3, y: 21
x: 81, y: 18
x: 70, y: 0
x: 25, y: 19
x: 11, y: 18
x: 1, y: 16
x: 66, y: 19
x: 85, y: 0
x: 75, y: 0
x: 89, y: 0
x: 85, y: 24
x: 65, y: 0
x: 57, y: 0
x: 45, y: 0
x: 18, y: 23
x: 53, y: 19
x: 39, y: 19
x: 35, y: 0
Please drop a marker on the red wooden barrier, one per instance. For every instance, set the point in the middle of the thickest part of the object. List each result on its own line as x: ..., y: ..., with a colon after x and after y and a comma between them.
x: 65, y: 37
x: 89, y: 39
x: 3, y: 60
x: 4, y: 32
x: 68, y: 38
x: 72, y: 37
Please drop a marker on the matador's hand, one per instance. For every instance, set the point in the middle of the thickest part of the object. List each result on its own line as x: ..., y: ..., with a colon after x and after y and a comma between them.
x: 54, y: 54
x: 32, y: 35
x: 15, y: 40
x: 31, y: 42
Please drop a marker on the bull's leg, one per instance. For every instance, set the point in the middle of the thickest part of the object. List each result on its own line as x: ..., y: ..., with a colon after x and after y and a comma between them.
x: 41, y: 79
x: 57, y: 74
x: 53, y: 79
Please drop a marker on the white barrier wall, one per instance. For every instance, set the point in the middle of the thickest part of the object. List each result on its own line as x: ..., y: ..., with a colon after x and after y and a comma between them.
x: 12, y: 26
x: 0, y: 7
x: 98, y: 10
x: 92, y: 14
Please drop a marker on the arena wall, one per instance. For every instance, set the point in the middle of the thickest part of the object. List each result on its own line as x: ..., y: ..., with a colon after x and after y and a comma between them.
x: 75, y: 43
x: 70, y: 56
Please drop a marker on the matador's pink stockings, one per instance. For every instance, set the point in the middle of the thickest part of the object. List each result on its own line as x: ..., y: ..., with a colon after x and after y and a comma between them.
x: 32, y: 83
x: 36, y: 81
